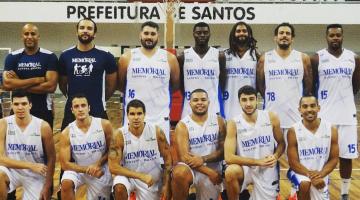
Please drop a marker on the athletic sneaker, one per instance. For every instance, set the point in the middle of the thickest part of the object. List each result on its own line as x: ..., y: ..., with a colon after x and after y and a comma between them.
x: 345, y: 197
x: 293, y: 197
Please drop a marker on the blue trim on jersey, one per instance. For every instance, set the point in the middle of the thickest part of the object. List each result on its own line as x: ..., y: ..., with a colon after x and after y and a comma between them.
x: 124, y: 103
x: 292, y: 178
x: 221, y: 101
x: 317, y: 86
x: 264, y: 101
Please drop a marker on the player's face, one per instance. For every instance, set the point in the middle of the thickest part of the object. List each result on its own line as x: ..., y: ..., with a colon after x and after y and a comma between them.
x: 201, y: 36
x: 309, y: 108
x: 21, y: 107
x: 136, y: 117
x: 30, y: 36
x: 149, y: 37
x: 284, y: 38
x: 80, y: 108
x: 199, y: 103
x: 86, y: 31
x: 248, y: 103
x: 334, y: 38
x: 241, y: 35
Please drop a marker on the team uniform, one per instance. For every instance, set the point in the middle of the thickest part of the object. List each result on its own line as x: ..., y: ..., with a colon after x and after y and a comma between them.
x: 240, y: 72
x: 257, y: 141
x: 313, y: 151
x: 336, y: 98
x: 148, y: 80
x: 24, y: 146
x: 141, y: 155
x: 204, y: 140
x: 283, y: 80
x: 30, y: 66
x: 85, y: 73
x: 86, y: 149
x: 202, y: 73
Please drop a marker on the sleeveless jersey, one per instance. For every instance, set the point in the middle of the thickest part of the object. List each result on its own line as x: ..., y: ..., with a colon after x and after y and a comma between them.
x: 30, y: 66
x: 202, y: 73
x: 203, y: 140
x: 148, y: 80
x: 24, y: 145
x: 87, y: 148
x: 142, y: 154
x: 283, y: 81
x: 256, y: 141
x: 313, y: 149
x: 335, y: 91
x: 85, y: 72
x: 240, y: 72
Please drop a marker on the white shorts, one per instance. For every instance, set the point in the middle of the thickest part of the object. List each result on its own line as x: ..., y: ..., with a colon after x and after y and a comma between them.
x: 143, y: 192
x: 347, y: 139
x: 97, y: 188
x: 205, y: 189
x: 32, y: 185
x: 265, y: 181
x: 315, y: 194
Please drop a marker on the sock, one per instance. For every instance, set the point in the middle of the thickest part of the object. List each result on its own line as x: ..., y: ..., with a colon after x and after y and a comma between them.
x: 345, y: 186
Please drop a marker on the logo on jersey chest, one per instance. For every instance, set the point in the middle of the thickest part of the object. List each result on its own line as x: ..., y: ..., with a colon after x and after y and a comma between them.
x: 284, y: 72
x: 22, y: 147
x: 144, y: 71
x: 29, y: 66
x: 83, y: 66
x: 255, y: 141
x: 240, y: 71
x: 200, y: 72
x: 87, y: 146
x: 338, y: 71
x: 204, y: 138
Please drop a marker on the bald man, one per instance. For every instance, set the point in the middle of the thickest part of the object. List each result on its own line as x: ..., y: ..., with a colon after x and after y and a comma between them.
x: 33, y: 69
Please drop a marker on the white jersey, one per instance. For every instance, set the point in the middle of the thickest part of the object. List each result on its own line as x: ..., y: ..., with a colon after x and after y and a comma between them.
x: 240, y: 72
x: 141, y: 154
x: 202, y: 73
x: 203, y: 139
x: 148, y: 80
x: 256, y: 141
x: 335, y: 92
x: 313, y: 148
x: 87, y: 148
x: 284, y: 87
x: 24, y: 145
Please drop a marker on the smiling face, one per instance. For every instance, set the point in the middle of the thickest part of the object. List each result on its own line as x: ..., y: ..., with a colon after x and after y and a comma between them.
x: 201, y: 35
x: 284, y: 37
x: 241, y: 35
x: 309, y: 108
x: 30, y: 36
x: 149, y: 37
x: 334, y: 38
x: 199, y: 103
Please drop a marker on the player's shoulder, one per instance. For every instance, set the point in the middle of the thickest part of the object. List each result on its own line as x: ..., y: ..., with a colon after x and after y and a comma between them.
x: 17, y: 52
x: 45, y: 51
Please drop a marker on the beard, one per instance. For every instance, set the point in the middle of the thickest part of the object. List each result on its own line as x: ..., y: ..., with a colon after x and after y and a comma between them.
x: 86, y: 41
x: 242, y: 41
x: 148, y: 46
x: 284, y: 46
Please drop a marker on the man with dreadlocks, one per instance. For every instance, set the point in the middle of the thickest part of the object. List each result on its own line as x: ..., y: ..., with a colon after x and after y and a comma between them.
x: 241, y: 59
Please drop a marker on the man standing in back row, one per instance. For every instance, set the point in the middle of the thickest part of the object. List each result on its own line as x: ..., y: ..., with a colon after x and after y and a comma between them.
x: 86, y: 68
x: 338, y: 73
x: 147, y: 73
x: 203, y: 67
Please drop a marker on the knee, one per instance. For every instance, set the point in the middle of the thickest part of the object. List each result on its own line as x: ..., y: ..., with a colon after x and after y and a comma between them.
x: 233, y: 172
x: 304, y: 186
x: 67, y: 186
x: 181, y: 173
x: 4, y: 178
x: 120, y: 191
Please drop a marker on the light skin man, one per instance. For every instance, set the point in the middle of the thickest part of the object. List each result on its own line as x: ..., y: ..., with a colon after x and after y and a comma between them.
x: 36, y: 175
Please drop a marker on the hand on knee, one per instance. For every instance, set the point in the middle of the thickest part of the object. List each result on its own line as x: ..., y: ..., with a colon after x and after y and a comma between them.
x: 120, y: 191
x: 318, y: 183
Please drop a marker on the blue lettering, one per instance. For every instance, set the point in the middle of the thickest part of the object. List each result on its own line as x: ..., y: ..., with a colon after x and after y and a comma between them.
x: 254, y: 141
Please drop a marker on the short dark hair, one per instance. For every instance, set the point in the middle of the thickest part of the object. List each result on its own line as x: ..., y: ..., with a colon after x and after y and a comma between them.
x: 334, y: 26
x: 285, y: 24
x: 151, y: 24
x: 247, y: 89
x: 201, y: 24
x: 20, y: 94
x: 306, y: 96
x: 198, y: 90
x: 79, y: 96
x: 87, y: 19
x: 135, y: 103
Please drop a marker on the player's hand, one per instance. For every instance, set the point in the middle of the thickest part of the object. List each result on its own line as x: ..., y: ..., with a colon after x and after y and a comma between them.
x: 315, y: 174
x: 165, y: 193
x: 94, y: 170
x: 39, y: 168
x: 45, y: 193
x: 318, y: 183
x: 271, y: 160
x: 215, y: 177
x: 193, y: 161
x: 146, y: 178
x: 11, y: 74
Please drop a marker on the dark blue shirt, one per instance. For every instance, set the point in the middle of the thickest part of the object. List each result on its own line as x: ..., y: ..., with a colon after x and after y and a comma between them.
x: 85, y: 73
x: 30, y: 66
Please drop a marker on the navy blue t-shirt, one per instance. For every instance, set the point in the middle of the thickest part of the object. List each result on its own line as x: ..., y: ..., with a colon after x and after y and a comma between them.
x: 30, y: 66
x: 85, y: 71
